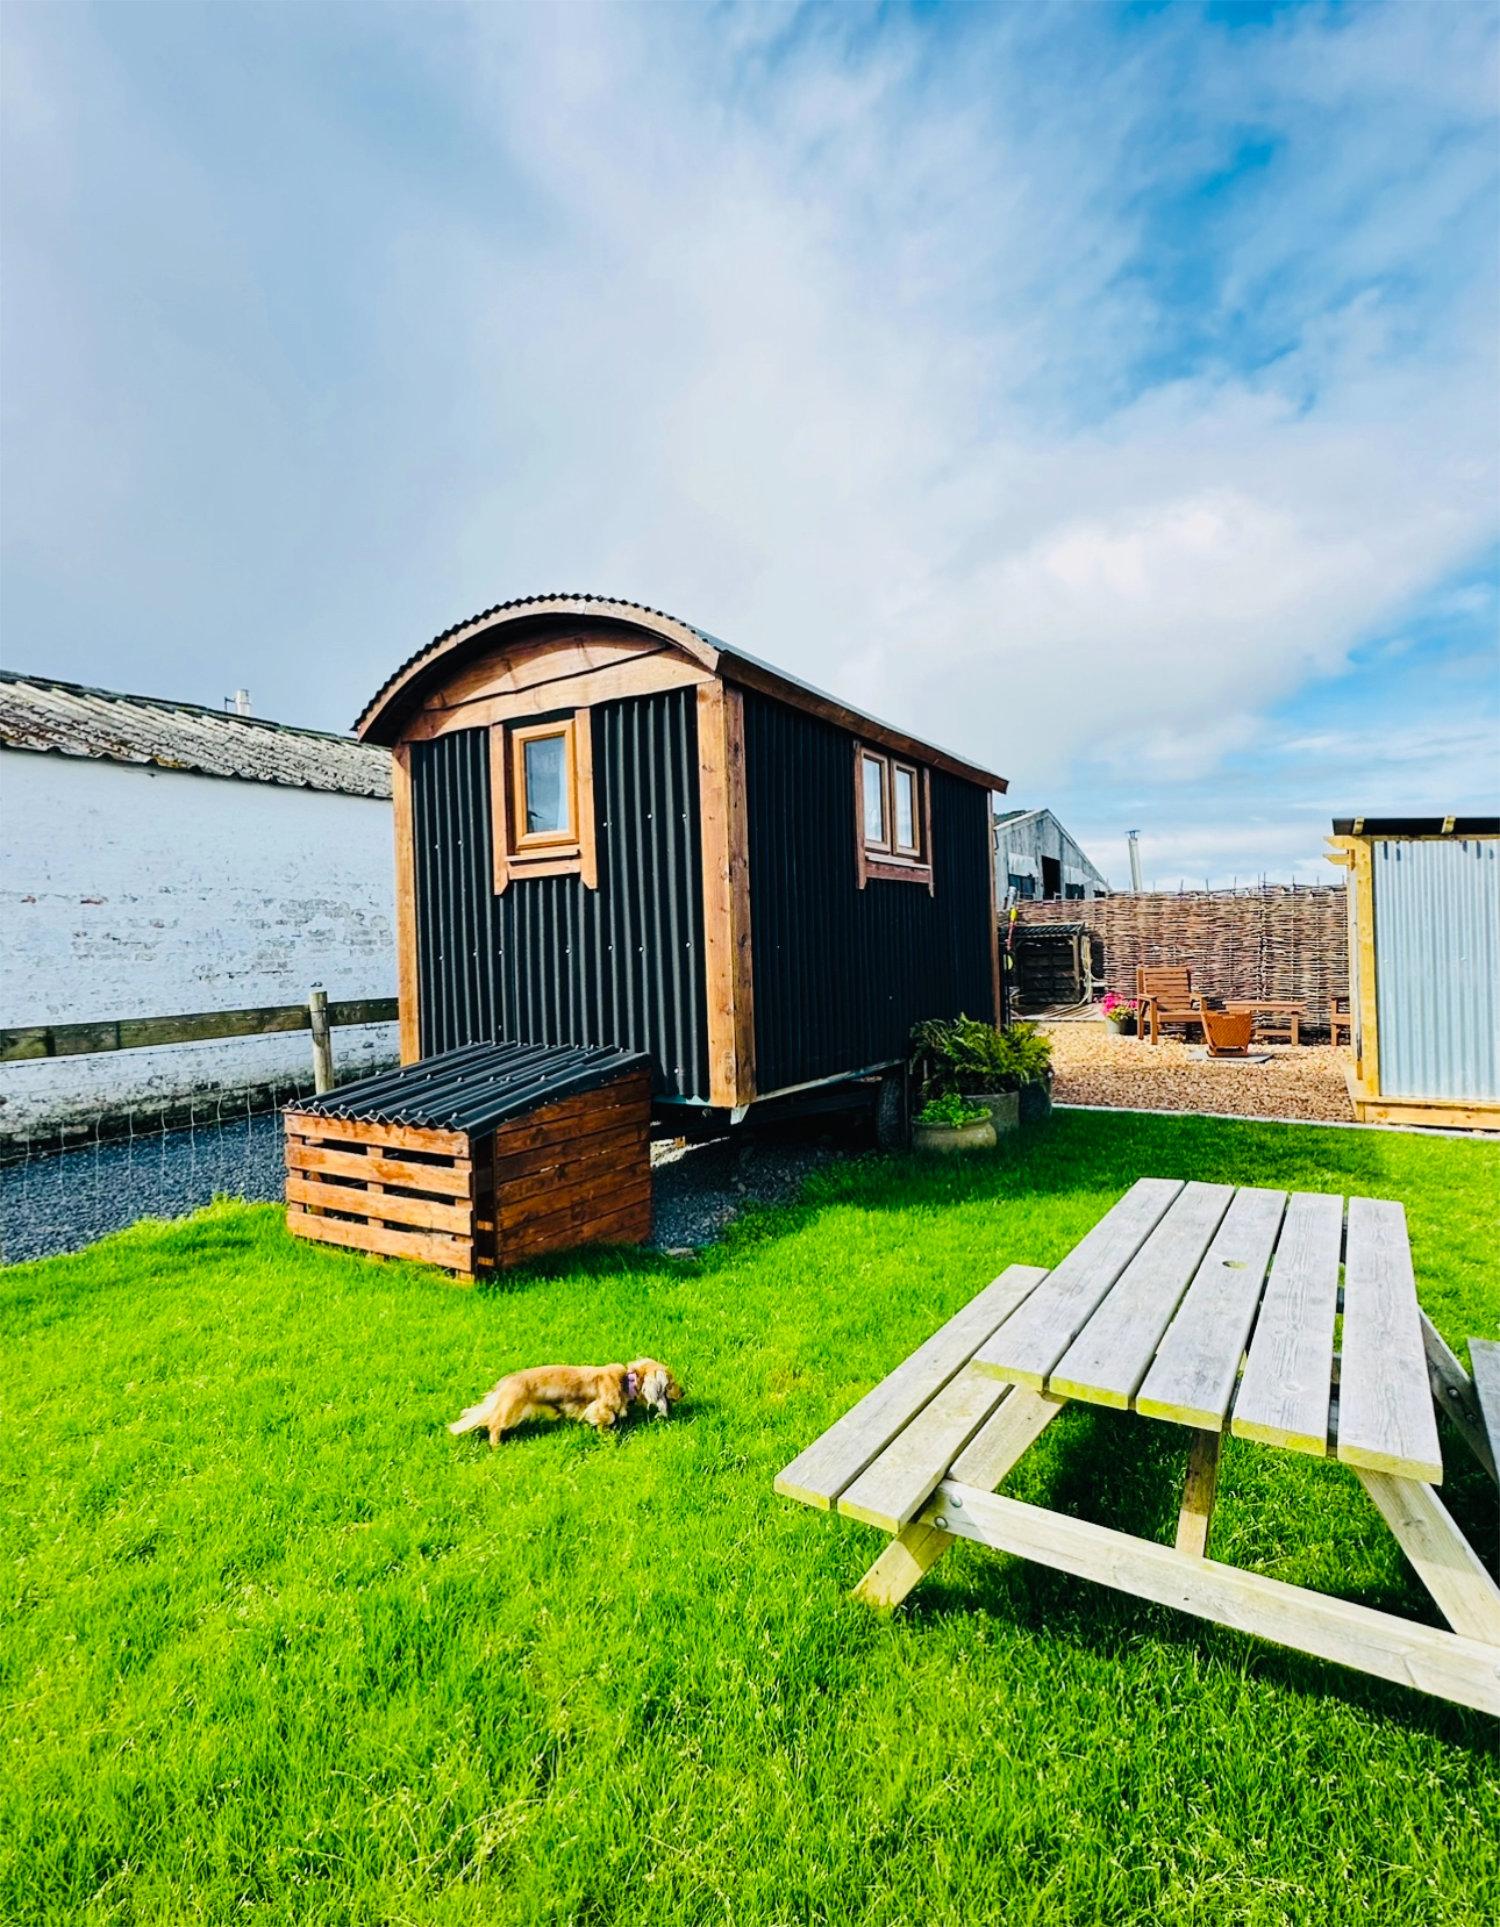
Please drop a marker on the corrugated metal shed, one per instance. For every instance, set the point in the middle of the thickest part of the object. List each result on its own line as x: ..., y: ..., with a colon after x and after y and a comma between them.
x: 476, y: 1088
x: 1437, y: 967
x: 68, y: 719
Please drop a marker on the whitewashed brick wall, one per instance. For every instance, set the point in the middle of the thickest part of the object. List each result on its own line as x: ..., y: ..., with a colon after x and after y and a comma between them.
x: 135, y: 892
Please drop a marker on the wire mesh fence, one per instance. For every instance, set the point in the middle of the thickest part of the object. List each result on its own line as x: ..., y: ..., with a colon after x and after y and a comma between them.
x: 62, y: 1189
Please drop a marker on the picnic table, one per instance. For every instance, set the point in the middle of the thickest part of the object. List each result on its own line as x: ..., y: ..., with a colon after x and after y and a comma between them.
x: 1211, y: 1307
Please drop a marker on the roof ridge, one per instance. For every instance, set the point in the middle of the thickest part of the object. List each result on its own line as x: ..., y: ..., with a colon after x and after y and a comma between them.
x: 21, y: 676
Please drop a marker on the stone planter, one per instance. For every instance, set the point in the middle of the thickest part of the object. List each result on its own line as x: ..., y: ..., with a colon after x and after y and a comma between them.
x: 1121, y: 1026
x: 948, y: 1137
x: 1004, y: 1108
x: 1036, y: 1102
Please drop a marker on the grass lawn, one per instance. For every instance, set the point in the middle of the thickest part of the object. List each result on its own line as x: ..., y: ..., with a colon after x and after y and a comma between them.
x: 276, y: 1646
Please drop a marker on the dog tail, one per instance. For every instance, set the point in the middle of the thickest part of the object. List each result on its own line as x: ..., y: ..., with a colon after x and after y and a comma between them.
x: 477, y: 1417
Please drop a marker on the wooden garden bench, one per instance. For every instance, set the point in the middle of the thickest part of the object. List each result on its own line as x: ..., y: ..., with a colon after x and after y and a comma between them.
x: 1212, y: 1308
x: 1165, y: 995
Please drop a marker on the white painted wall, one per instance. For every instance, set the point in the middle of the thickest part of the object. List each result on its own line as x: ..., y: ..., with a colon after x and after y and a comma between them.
x: 133, y: 892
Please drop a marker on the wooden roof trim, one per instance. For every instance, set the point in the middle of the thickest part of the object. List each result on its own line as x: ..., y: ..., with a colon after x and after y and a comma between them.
x: 385, y: 715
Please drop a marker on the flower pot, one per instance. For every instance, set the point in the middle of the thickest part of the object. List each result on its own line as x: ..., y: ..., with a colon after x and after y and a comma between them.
x: 1121, y: 1026
x: 1004, y: 1108
x: 950, y: 1137
x: 1036, y: 1102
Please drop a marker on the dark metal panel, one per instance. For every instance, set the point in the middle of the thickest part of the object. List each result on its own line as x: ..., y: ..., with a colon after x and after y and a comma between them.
x: 475, y: 1087
x: 550, y: 962
x: 841, y: 974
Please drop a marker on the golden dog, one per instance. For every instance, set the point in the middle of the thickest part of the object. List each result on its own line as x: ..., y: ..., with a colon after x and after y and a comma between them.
x: 597, y: 1395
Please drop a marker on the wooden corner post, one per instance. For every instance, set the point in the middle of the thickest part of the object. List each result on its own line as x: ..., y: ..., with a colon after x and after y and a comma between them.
x: 407, y: 988
x: 726, y: 895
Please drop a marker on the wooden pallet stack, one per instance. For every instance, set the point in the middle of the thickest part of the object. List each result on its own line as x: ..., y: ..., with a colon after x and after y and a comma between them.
x: 572, y: 1172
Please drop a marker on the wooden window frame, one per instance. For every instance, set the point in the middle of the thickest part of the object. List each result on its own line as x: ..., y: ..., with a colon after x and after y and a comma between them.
x: 519, y: 855
x: 883, y: 861
x: 914, y: 850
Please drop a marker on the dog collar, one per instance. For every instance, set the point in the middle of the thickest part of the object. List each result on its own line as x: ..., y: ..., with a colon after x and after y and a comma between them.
x: 632, y: 1384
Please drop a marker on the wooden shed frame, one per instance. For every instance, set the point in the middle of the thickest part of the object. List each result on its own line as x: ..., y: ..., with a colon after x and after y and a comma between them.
x: 1352, y: 849
x: 518, y: 662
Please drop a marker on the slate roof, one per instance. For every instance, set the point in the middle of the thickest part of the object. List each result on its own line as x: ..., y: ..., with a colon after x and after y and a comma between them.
x: 70, y: 719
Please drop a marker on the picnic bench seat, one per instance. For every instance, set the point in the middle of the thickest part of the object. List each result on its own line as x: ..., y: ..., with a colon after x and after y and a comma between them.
x: 1214, y: 1308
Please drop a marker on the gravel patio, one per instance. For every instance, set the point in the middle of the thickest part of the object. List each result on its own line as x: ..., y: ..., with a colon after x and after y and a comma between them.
x: 1304, y: 1081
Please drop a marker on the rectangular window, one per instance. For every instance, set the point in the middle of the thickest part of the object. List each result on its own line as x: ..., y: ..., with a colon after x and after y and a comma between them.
x: 874, y: 772
x: 907, y: 815
x: 542, y: 799
x: 542, y: 772
x: 893, y: 801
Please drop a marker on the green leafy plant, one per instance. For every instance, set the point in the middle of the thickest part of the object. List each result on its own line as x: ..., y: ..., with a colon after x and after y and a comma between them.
x: 963, y: 1054
x: 950, y: 1109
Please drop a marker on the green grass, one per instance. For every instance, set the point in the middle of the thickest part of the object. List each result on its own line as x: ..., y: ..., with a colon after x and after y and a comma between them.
x: 277, y: 1647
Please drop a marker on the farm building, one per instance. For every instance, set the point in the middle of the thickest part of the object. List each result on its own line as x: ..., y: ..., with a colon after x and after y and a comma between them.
x: 1036, y: 860
x: 1424, y: 963
x: 616, y: 835
x: 174, y: 880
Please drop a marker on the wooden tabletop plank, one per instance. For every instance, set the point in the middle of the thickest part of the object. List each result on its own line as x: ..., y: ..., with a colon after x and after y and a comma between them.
x: 1386, y: 1418
x: 1283, y: 1396
x: 818, y: 1475
x: 1108, y: 1359
x: 1035, y: 1336
x: 892, y: 1491
x: 1192, y: 1377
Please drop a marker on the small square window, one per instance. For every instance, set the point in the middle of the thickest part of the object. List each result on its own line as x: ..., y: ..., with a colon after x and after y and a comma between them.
x: 542, y: 771
x: 542, y: 800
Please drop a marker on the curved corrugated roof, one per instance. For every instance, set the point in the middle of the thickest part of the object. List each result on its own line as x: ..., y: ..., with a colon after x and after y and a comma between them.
x: 69, y: 719
x: 475, y: 1087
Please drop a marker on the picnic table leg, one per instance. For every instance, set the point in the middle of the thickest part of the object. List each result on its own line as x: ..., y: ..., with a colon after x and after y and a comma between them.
x: 1441, y: 1556
x: 1020, y: 1418
x: 1198, y: 1493
x: 1453, y: 1393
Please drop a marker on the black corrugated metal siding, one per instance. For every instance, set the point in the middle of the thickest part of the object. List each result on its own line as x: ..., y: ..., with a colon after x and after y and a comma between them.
x: 550, y: 962
x: 842, y: 974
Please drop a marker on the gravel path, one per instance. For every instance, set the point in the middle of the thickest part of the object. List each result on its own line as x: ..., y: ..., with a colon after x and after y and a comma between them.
x: 1096, y: 1067
x: 62, y: 1200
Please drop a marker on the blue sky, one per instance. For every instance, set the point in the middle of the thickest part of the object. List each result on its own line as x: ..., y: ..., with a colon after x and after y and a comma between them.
x: 1109, y: 392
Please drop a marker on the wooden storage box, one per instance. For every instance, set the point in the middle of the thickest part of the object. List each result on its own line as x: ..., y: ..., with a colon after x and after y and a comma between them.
x: 526, y: 1172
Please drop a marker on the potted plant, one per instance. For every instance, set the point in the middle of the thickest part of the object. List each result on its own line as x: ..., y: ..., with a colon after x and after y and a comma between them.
x: 1009, y: 1072
x: 1119, y: 1014
x: 952, y: 1123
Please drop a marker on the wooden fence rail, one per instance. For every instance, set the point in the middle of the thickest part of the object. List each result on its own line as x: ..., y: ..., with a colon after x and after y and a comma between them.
x: 138, y: 1033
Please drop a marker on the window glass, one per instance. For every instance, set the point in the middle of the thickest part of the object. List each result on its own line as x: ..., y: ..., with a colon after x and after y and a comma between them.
x: 546, y: 770
x: 906, y: 808
x: 874, y: 786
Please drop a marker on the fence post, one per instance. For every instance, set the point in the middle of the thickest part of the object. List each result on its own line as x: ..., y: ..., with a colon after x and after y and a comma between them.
x: 322, y: 1042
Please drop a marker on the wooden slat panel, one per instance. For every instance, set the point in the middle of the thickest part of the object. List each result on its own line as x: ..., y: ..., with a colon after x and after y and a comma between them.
x: 454, y: 1179
x: 1453, y: 1391
x: 1192, y: 1377
x: 1386, y: 1420
x: 604, y: 1200
x: 1284, y: 1394
x: 400, y: 1137
x: 589, y: 1186
x: 629, y: 1225
x: 625, y: 1137
x: 386, y: 1206
x: 1108, y: 1359
x: 1028, y: 1345
x: 427, y: 1247
x: 820, y: 1473
x: 556, y: 1121
x: 890, y: 1491
x: 1433, y: 1661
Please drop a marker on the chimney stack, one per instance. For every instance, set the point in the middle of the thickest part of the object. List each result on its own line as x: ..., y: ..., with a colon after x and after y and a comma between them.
x: 1133, y: 844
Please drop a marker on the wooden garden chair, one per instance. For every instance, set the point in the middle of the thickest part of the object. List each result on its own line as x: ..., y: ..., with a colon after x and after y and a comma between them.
x: 1165, y: 993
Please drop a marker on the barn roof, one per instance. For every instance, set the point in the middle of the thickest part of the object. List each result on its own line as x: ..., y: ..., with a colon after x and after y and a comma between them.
x: 375, y: 723
x: 70, y: 719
